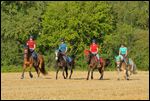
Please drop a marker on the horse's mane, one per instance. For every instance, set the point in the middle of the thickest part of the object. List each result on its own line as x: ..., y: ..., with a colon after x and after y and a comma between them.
x: 60, y: 56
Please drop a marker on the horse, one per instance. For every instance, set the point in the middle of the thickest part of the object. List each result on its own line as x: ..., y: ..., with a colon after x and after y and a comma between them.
x: 29, y: 62
x: 122, y: 66
x: 62, y: 64
x: 93, y: 64
x: 132, y: 67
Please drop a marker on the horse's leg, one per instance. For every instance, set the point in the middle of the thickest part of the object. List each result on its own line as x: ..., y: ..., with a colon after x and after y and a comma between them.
x: 88, y: 72
x: 24, y: 67
x: 63, y: 73
x: 101, y: 71
x: 30, y: 74
x: 124, y: 73
x: 57, y: 72
x: 92, y: 73
x: 66, y: 69
x: 127, y: 75
x: 71, y: 71
x: 118, y: 70
x: 36, y: 69
x: 38, y: 72
x: 102, y: 74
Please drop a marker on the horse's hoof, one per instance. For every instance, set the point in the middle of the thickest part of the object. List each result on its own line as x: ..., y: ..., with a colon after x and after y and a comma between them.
x: 87, y: 79
x: 31, y: 76
x: 21, y: 77
x: 101, y: 79
x: 118, y: 79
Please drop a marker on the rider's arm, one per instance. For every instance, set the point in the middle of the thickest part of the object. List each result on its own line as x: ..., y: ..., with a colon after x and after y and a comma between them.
x: 27, y: 43
x: 97, y: 50
x: 126, y: 53
x: 119, y: 51
x: 34, y: 46
x: 66, y: 50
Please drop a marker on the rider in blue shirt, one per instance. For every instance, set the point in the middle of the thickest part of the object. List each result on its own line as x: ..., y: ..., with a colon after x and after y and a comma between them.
x: 63, y: 49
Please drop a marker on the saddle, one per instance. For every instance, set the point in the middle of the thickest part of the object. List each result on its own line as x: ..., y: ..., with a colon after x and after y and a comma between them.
x: 100, y: 59
x: 35, y: 57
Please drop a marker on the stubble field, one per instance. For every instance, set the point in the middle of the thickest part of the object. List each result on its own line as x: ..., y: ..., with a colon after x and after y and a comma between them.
x: 47, y: 87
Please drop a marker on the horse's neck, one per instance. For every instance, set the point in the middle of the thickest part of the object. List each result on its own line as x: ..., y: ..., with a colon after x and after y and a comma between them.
x: 60, y: 57
x: 27, y: 58
x: 93, y: 60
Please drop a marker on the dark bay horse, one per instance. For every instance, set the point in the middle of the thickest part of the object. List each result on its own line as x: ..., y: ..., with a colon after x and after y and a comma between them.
x: 93, y: 64
x: 29, y: 62
x: 62, y: 64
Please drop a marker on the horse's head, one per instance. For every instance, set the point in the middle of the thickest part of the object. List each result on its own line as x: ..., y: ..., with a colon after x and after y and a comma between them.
x: 56, y: 55
x: 26, y: 52
x: 59, y: 55
x: 87, y: 54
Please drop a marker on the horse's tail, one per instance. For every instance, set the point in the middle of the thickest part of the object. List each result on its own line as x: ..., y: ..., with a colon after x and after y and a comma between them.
x: 107, y: 62
x: 42, y: 69
x: 134, y: 69
x: 73, y: 63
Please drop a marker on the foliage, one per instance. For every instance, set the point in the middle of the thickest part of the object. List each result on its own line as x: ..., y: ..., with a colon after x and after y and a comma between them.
x: 78, y: 22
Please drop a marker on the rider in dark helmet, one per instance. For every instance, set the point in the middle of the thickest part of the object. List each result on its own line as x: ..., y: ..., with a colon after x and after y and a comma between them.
x: 32, y: 45
x: 94, y: 50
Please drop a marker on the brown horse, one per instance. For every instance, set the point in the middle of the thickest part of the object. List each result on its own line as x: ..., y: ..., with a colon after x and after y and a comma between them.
x: 29, y: 62
x: 93, y: 64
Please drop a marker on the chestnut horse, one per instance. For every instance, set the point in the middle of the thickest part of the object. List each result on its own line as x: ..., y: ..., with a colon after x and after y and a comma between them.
x: 29, y: 62
x: 93, y: 64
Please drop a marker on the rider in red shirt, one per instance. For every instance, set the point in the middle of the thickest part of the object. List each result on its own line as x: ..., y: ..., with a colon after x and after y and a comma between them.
x: 94, y: 50
x: 32, y: 45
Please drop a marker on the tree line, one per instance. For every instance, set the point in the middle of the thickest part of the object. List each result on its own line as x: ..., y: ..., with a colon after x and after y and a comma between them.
x: 111, y: 23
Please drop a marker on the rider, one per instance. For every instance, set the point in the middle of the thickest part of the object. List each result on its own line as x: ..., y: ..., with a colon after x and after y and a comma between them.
x: 94, y: 50
x: 32, y: 45
x: 63, y: 49
x: 124, y: 52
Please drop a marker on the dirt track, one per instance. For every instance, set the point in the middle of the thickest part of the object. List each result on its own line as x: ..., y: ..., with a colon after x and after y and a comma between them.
x: 46, y: 87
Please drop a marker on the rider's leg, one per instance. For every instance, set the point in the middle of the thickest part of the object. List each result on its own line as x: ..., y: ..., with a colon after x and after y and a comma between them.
x: 65, y: 58
x: 35, y: 57
x: 124, y: 59
x: 97, y: 55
